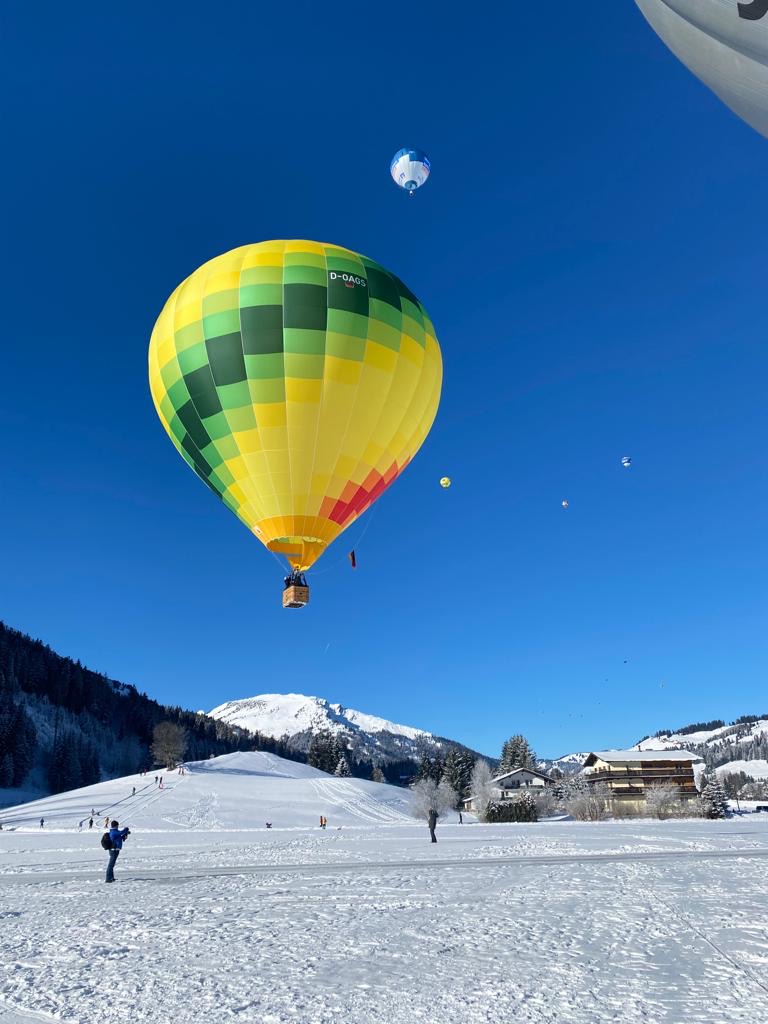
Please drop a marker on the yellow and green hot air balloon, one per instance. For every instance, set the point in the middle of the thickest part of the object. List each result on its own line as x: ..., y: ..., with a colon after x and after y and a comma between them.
x: 298, y: 379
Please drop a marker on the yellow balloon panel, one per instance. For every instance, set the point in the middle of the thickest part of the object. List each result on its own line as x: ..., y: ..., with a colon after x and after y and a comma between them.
x: 298, y: 379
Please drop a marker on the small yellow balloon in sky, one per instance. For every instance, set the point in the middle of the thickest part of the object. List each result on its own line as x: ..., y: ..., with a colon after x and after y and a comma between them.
x: 445, y: 481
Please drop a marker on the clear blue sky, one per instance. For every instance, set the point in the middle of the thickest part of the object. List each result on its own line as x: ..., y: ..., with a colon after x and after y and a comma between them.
x: 591, y: 248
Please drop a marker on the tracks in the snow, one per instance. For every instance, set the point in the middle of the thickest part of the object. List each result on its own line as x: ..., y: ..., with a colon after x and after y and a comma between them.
x: 33, y: 878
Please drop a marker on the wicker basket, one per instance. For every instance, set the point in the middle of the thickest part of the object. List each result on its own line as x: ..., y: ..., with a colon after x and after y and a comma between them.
x: 295, y: 596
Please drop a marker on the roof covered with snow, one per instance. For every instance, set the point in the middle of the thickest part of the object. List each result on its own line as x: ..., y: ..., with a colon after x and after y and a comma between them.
x: 641, y: 755
x: 516, y: 771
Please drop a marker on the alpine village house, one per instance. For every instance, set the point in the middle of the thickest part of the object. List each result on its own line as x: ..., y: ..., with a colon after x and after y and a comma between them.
x: 512, y: 784
x: 629, y: 774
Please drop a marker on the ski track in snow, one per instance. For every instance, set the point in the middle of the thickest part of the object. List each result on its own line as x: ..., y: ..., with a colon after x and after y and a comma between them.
x: 346, y: 796
x: 485, y: 928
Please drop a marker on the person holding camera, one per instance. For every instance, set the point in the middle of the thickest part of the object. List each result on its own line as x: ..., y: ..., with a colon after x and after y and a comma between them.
x: 117, y: 837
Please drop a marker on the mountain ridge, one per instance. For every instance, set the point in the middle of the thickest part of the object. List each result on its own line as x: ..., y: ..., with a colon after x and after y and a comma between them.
x: 294, y: 718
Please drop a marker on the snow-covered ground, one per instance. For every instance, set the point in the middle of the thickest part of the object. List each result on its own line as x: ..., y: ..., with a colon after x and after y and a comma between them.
x: 215, y: 918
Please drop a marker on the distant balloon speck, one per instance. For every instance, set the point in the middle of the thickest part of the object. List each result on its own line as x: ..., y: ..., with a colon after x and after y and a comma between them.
x: 564, y: 504
x: 445, y: 481
x: 626, y: 461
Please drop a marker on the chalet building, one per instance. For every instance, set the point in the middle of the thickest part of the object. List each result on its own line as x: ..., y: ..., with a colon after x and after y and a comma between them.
x: 629, y: 774
x: 512, y: 784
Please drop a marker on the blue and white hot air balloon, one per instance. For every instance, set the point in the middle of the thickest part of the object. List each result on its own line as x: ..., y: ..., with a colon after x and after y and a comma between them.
x: 409, y: 169
x: 626, y: 461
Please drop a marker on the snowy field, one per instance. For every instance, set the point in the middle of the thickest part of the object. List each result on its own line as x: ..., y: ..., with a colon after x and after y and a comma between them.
x: 216, y: 918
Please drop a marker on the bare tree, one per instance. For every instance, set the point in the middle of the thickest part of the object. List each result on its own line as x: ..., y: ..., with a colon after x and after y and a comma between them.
x: 428, y: 795
x: 663, y: 801
x: 480, y: 788
x: 169, y: 741
x: 546, y: 805
x: 447, y: 797
x: 589, y: 803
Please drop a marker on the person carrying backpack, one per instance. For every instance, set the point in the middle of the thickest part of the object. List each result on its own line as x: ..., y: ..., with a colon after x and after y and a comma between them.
x: 113, y: 841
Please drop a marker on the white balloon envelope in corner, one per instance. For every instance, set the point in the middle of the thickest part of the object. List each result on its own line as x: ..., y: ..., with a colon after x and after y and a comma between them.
x: 725, y: 44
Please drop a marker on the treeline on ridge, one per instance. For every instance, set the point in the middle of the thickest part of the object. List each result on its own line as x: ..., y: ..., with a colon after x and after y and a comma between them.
x: 63, y: 725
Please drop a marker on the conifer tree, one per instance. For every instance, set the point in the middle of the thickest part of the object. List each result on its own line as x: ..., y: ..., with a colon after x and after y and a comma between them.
x: 377, y: 775
x: 714, y: 800
x: 425, y: 768
x: 516, y: 753
x: 6, y: 771
x: 457, y: 769
x: 342, y: 768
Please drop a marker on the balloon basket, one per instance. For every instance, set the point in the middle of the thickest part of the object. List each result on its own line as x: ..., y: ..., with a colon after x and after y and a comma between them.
x: 295, y: 597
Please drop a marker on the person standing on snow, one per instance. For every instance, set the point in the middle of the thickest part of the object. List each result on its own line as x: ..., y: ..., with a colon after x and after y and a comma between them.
x: 117, y: 837
x: 90, y: 823
x: 42, y: 822
x: 432, y: 822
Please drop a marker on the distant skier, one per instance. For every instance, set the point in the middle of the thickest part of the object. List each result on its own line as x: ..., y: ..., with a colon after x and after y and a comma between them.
x: 461, y: 820
x: 268, y: 824
x: 156, y: 777
x: 106, y: 822
x: 134, y: 791
x: 117, y: 837
x: 90, y: 823
x: 432, y: 822
x: 42, y: 822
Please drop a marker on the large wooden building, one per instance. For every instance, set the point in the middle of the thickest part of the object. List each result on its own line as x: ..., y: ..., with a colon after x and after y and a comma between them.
x: 629, y: 774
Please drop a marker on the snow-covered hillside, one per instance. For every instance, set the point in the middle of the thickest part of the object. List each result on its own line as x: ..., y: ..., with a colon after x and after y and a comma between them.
x: 742, y: 732
x: 741, y: 746
x: 235, y: 791
x: 298, y: 717
x: 758, y: 769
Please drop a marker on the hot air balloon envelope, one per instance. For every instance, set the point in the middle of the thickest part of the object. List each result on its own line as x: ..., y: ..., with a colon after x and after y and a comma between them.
x: 298, y: 379
x: 723, y: 43
x: 409, y: 169
x: 564, y: 504
x: 626, y: 461
x: 445, y: 481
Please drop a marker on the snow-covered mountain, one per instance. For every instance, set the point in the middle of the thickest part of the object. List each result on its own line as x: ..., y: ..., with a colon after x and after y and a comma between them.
x: 568, y: 764
x: 297, y: 717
